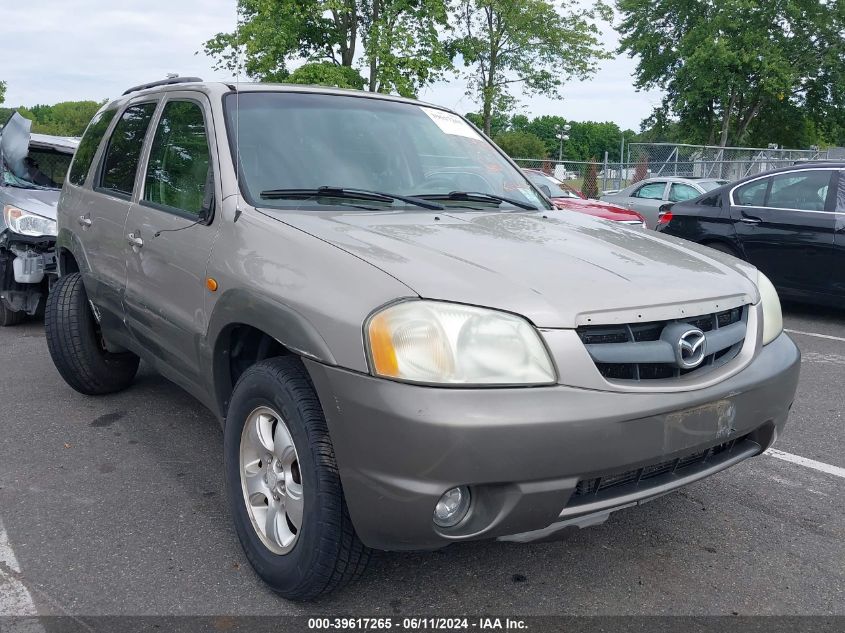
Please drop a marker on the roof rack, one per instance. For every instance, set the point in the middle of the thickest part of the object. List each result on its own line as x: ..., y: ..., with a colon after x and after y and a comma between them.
x: 164, y: 82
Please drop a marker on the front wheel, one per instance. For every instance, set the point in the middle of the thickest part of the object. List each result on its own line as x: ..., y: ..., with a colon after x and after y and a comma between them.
x: 283, y: 486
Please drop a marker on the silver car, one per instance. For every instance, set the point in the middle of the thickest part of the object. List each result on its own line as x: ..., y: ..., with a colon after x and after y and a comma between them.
x: 647, y: 196
x: 405, y: 345
x: 32, y: 171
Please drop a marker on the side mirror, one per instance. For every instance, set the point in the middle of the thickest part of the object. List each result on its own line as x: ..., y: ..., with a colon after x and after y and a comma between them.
x: 545, y: 189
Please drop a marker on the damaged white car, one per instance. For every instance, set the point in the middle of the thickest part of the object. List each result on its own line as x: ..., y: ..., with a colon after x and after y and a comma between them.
x: 33, y: 168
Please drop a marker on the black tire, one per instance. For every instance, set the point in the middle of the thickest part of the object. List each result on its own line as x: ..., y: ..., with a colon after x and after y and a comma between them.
x: 327, y: 553
x: 8, y: 317
x: 75, y: 344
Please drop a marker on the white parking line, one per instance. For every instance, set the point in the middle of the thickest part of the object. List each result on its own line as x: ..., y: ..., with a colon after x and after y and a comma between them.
x: 809, y: 463
x: 15, y: 599
x: 827, y: 336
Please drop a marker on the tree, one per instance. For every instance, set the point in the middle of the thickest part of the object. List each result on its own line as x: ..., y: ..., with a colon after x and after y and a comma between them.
x: 518, y: 144
x: 498, y: 124
x: 68, y: 118
x: 327, y: 74
x: 398, y: 40
x: 723, y: 62
x: 2, y: 91
x: 534, y: 43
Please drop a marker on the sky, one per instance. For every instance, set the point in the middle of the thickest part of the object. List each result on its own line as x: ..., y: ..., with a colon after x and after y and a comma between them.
x: 67, y: 50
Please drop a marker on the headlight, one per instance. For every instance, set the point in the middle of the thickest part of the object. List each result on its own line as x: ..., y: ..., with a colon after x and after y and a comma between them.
x: 27, y: 223
x: 447, y: 343
x: 772, y: 315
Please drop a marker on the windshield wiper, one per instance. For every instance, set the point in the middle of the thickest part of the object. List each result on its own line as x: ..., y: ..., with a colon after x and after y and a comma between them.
x: 476, y: 196
x: 343, y: 192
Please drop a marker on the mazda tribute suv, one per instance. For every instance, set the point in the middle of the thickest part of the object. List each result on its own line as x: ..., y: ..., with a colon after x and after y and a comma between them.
x: 406, y: 344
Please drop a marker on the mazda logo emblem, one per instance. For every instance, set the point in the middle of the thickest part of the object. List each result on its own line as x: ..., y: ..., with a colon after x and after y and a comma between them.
x: 691, y: 348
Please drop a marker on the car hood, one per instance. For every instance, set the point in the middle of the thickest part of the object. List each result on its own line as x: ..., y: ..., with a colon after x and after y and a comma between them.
x: 40, y: 201
x: 553, y: 268
x: 598, y: 208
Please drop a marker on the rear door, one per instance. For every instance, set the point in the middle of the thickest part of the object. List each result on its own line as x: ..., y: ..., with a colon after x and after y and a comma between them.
x: 173, y: 230
x: 101, y: 211
x: 647, y: 199
x: 785, y: 223
x: 681, y: 192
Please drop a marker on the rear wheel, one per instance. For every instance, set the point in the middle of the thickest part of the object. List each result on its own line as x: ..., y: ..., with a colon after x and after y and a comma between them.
x: 76, y: 345
x: 9, y: 317
x: 283, y: 485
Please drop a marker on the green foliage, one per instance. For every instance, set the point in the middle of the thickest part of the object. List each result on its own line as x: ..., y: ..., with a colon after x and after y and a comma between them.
x: 517, y: 144
x: 536, y: 44
x: 586, y: 138
x: 398, y: 40
x: 327, y: 74
x: 499, y: 122
x: 723, y: 63
x: 2, y: 91
x: 68, y: 118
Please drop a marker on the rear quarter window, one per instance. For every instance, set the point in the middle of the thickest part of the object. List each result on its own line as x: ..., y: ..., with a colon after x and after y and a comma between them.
x: 88, y: 146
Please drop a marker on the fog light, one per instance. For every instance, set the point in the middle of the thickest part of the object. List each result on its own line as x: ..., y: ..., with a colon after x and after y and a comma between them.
x: 452, y: 507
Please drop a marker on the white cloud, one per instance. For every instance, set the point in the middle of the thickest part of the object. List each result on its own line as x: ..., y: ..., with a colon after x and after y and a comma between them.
x: 94, y: 49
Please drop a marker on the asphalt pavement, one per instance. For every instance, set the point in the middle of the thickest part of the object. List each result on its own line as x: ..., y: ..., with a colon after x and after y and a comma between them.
x: 115, y: 506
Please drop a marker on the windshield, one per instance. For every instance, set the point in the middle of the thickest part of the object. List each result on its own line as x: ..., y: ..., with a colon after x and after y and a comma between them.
x: 301, y: 141
x: 41, y: 169
x: 710, y: 185
x: 555, y: 186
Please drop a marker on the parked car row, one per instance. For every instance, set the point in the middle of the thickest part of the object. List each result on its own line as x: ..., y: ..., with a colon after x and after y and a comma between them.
x: 647, y: 196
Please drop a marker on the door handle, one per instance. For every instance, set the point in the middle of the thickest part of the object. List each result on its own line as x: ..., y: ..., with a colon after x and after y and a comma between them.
x: 134, y: 240
x: 85, y: 221
x: 746, y: 220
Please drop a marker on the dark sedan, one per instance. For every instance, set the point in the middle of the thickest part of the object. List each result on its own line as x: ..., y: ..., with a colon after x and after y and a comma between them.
x: 788, y: 222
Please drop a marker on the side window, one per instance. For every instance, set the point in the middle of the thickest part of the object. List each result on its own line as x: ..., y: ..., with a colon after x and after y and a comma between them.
x: 88, y: 146
x: 678, y: 192
x: 805, y: 190
x: 179, y: 172
x: 651, y: 191
x: 124, y: 150
x: 711, y: 201
x: 753, y: 194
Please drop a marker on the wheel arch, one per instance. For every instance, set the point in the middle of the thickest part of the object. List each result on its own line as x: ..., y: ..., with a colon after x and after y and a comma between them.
x: 246, y: 328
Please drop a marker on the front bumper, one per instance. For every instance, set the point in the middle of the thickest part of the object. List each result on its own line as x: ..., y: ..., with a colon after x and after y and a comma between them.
x: 27, y: 264
x: 523, y: 452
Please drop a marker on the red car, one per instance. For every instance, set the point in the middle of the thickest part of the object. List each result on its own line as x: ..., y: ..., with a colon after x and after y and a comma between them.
x: 568, y: 199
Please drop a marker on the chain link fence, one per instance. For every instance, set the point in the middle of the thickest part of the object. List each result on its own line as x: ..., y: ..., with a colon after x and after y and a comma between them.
x: 651, y: 160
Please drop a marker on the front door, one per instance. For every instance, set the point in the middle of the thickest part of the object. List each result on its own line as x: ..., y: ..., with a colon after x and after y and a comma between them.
x: 785, y: 225
x: 173, y: 229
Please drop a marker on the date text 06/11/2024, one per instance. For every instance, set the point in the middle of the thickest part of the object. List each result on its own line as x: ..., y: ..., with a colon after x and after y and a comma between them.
x: 418, y: 623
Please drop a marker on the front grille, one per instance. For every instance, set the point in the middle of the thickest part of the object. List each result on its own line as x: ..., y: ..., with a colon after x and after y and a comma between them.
x: 632, y: 480
x: 627, y: 351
